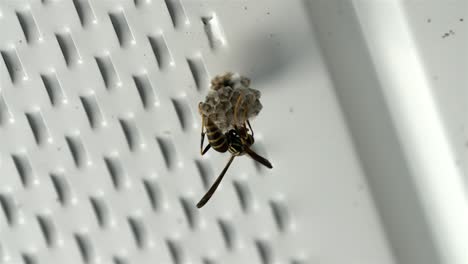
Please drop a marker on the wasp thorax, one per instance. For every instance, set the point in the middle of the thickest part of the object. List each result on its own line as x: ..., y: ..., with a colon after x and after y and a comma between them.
x: 230, y: 101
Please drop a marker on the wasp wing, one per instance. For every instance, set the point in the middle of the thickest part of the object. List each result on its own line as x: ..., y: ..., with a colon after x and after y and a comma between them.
x: 257, y: 157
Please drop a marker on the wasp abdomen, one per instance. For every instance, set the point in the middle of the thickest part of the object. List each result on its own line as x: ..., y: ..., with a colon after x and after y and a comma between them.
x: 217, y: 139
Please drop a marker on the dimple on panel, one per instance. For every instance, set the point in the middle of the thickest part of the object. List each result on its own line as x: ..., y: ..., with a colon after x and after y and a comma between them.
x: 298, y: 261
x: 68, y: 47
x: 120, y: 260
x: 122, y: 29
x: 23, y: 166
x: 5, y: 114
x: 183, y: 113
x: 208, y: 261
x: 176, y: 252
x: 85, y: 12
x: 168, y: 150
x: 206, y: 173
x: 161, y: 51
x: 29, y: 26
x: 53, y: 88
x: 77, y: 150
x: 29, y: 258
x: 85, y: 247
x: 228, y: 233
x: 146, y: 91
x: 38, y: 127
x: 101, y: 211
x: 191, y: 213
x: 108, y: 72
x: 177, y: 13
x: 93, y: 112
x: 48, y: 229
x: 213, y: 31
x: 62, y: 188
x: 14, y: 66
x: 10, y: 210
x: 132, y: 135
x: 244, y: 194
x: 280, y: 214
x: 198, y: 70
x: 139, y: 233
x: 265, y: 251
x: 116, y: 171
x: 154, y: 193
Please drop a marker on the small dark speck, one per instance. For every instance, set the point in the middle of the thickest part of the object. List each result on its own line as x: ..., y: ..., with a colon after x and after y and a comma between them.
x: 291, y: 110
x: 466, y: 144
x: 245, y: 8
x: 268, y: 13
x: 447, y: 34
x: 271, y: 35
x: 59, y: 148
x: 20, y: 41
x: 429, y: 20
x: 461, y: 19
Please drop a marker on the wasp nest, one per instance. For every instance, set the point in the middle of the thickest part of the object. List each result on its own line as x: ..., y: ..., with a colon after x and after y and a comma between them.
x: 230, y: 101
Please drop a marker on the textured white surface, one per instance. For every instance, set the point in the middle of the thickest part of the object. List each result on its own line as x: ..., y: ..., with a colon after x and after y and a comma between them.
x: 99, y: 132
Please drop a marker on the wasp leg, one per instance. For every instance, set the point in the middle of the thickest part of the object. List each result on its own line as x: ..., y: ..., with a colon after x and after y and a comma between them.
x: 236, y: 108
x: 203, y: 151
x: 206, y: 149
x: 258, y: 158
x: 247, y: 121
x: 244, y: 115
x: 215, y: 185
x: 251, y: 130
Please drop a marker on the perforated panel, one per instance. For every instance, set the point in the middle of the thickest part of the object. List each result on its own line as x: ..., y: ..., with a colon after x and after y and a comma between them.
x: 100, y: 133
x: 99, y: 157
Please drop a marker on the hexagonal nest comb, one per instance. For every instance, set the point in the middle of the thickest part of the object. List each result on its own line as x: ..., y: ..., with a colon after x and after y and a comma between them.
x: 230, y: 101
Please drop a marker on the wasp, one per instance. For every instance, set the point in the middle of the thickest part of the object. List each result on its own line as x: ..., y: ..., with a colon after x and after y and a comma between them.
x: 237, y: 141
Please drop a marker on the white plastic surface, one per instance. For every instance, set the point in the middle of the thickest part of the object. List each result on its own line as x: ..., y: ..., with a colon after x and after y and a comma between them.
x: 364, y: 120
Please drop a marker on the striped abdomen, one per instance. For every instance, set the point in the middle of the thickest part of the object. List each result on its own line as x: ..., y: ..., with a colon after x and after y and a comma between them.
x: 217, y: 139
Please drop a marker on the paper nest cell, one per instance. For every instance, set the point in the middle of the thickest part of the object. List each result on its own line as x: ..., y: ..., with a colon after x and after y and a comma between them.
x: 230, y: 92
